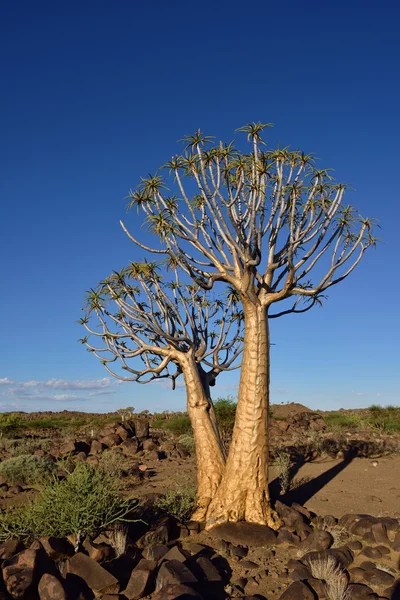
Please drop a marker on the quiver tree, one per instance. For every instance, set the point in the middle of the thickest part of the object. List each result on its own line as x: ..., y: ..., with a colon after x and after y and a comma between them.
x: 273, y: 227
x: 149, y: 329
x: 125, y: 413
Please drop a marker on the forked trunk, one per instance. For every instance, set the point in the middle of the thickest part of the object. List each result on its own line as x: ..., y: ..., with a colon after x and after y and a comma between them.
x: 243, y: 494
x: 210, y: 452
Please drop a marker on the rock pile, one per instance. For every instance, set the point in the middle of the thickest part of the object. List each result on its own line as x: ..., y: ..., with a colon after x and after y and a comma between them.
x: 161, y: 562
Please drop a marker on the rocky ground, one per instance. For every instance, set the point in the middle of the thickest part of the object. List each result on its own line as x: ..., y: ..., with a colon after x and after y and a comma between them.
x: 341, y: 523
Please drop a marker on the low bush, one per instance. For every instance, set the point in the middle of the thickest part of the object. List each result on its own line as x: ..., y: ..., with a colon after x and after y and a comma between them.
x: 27, y: 469
x: 113, y: 463
x: 84, y: 503
x: 384, y: 419
x: 187, y: 440
x: 338, y: 420
x: 9, y: 423
x: 178, y: 424
x: 179, y: 503
x: 225, y: 410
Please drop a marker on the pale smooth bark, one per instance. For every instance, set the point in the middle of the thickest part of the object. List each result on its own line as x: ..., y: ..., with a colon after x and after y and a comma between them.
x: 210, y: 451
x: 243, y: 493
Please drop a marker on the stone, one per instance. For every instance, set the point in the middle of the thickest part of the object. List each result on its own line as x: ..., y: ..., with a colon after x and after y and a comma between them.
x: 357, y: 574
x: 348, y: 520
x: 354, y: 545
x: 303, y: 531
x: 155, y: 551
x: 318, y: 587
x: 287, y: 537
x: 111, y: 440
x: 238, y: 551
x: 363, y: 526
x: 130, y: 447
x: 245, y: 534
x: 344, y: 555
x: 57, y: 548
x: 10, y: 547
x: 149, y: 445
x: 96, y: 578
x: 122, y: 432
x: 303, y: 510
x: 20, y: 573
x: 98, y: 552
x: 379, y: 578
x: 121, y: 568
x: 142, y: 429
x: 204, y: 570
x: 174, y: 572
x: 370, y: 552
x: 162, y: 533
x: 177, y: 592
x: 379, y: 532
x: 291, y: 517
x: 300, y: 573
x: 317, y: 540
x: 298, y: 591
x: 390, y: 524
x: 176, y: 553
x: 249, y: 565
x: 81, y: 457
x: 96, y: 447
x: 197, y: 549
x: 68, y: 447
x: 141, y: 582
x: 359, y: 591
x: 51, y: 588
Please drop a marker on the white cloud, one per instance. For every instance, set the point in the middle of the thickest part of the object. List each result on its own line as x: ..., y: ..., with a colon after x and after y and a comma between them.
x: 360, y: 393
x: 41, y: 391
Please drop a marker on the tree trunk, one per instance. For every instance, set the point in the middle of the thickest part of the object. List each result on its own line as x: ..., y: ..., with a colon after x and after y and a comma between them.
x: 210, y: 452
x: 243, y: 493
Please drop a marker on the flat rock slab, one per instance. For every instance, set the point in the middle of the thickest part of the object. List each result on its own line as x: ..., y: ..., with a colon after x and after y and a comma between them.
x: 95, y: 577
x: 177, y: 592
x: 245, y: 534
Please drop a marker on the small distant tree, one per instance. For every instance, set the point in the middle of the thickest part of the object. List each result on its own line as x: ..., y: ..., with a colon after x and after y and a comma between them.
x: 150, y: 328
x: 125, y: 413
x: 273, y: 227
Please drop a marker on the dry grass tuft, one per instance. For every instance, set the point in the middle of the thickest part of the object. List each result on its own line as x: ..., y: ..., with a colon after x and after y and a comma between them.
x: 282, y: 462
x: 328, y: 569
x: 118, y: 537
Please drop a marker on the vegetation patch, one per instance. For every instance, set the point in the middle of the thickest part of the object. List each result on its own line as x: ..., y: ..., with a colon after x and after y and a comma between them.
x: 379, y: 418
x: 179, y: 503
x: 27, y: 470
x: 84, y: 503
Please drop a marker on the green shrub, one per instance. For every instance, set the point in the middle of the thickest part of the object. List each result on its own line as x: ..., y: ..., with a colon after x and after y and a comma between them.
x: 27, y: 469
x: 179, y: 503
x: 225, y: 409
x: 158, y: 423
x: 343, y: 421
x: 27, y: 445
x: 113, y: 463
x: 9, y: 422
x: 187, y: 440
x: 178, y: 424
x: 385, y: 419
x: 84, y: 503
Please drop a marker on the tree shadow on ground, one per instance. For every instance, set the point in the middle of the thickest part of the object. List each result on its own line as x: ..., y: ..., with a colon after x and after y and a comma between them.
x: 307, y: 490
x: 301, y: 455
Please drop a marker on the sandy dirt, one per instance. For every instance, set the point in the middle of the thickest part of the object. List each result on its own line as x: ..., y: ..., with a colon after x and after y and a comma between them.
x: 325, y: 486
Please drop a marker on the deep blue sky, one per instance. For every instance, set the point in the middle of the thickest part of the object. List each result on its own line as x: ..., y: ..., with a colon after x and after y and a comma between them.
x: 96, y: 94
